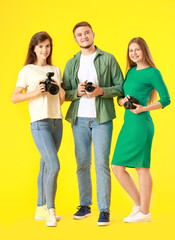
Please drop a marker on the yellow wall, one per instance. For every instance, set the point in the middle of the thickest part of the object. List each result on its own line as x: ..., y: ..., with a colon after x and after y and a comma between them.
x: 114, y: 23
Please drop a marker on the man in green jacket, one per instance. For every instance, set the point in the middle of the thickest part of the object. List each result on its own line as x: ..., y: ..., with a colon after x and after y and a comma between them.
x: 91, y: 79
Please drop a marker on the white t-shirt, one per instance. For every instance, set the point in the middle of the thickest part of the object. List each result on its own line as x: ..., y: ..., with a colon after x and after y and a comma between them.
x: 87, y: 72
x: 44, y: 105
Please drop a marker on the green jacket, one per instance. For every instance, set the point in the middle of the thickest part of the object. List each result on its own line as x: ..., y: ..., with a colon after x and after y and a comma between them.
x: 110, y: 79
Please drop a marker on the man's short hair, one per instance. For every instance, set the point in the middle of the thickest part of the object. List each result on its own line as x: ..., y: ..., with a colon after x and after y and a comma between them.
x: 81, y: 24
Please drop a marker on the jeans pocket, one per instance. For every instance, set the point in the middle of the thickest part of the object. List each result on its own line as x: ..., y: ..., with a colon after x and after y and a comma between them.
x: 34, y: 125
x: 44, y: 124
x: 40, y: 124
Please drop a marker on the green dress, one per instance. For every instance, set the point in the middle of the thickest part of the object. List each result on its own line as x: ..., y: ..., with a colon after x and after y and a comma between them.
x: 133, y: 148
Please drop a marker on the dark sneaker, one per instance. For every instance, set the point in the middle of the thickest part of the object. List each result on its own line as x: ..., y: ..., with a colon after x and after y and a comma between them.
x: 83, y: 211
x: 103, y: 219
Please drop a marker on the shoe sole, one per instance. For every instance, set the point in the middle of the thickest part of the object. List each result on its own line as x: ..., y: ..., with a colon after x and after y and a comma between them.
x: 138, y: 221
x: 41, y: 218
x: 58, y: 218
x: 81, y: 217
x: 103, y: 223
x: 51, y: 224
x: 130, y: 215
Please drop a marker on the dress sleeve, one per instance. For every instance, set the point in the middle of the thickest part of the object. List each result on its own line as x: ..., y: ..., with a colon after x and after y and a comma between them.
x: 159, y: 85
x: 22, y: 79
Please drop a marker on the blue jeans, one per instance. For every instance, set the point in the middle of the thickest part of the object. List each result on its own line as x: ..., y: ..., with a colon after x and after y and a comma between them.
x: 47, y: 134
x: 86, y: 131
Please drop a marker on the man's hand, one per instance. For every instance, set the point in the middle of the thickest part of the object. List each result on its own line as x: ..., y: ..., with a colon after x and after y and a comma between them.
x: 122, y: 101
x: 81, y: 89
x: 97, y: 91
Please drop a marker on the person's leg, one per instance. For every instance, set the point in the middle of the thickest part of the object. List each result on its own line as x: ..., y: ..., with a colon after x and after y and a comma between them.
x: 82, y: 139
x: 41, y: 132
x: 145, y: 184
x: 127, y: 183
x: 57, y: 131
x: 41, y: 201
x: 101, y: 137
x: 41, y: 186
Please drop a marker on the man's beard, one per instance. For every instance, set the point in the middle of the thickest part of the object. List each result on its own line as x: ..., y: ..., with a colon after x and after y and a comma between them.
x: 86, y: 47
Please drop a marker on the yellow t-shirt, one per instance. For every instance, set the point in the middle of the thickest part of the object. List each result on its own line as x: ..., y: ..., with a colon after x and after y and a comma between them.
x: 45, y: 105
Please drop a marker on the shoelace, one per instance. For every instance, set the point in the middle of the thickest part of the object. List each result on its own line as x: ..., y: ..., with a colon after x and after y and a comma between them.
x: 52, y: 214
x: 45, y: 208
x: 104, y: 214
x: 82, y: 207
x: 134, y: 210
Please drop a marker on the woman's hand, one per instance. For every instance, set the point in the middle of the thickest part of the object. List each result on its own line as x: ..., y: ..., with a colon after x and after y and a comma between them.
x: 61, y: 91
x: 41, y: 87
x: 62, y: 95
x: 55, y: 82
x: 19, y: 96
x: 122, y: 101
x: 139, y: 108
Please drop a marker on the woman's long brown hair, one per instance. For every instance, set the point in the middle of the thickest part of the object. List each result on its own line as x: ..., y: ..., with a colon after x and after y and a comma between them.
x: 35, y: 40
x: 147, y: 59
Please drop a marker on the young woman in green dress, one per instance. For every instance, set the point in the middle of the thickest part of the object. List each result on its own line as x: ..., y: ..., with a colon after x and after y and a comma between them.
x: 133, y: 148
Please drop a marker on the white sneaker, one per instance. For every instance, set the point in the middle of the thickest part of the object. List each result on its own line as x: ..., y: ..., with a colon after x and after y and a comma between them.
x: 42, y: 213
x: 135, y: 210
x: 51, y: 218
x: 139, y: 217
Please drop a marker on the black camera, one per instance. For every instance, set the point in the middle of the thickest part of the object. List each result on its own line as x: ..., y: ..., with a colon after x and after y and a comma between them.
x: 89, y: 87
x: 129, y: 104
x: 50, y: 85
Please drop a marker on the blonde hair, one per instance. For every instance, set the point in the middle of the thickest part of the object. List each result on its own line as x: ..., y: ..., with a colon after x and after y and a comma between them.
x: 147, y: 59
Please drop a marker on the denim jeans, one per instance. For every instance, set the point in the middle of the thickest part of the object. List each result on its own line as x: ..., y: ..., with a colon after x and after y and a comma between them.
x: 47, y: 134
x: 86, y: 131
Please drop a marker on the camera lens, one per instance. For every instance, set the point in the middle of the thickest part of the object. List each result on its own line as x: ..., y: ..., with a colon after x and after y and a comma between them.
x: 89, y: 87
x: 133, y: 100
x: 52, y: 88
x: 127, y: 105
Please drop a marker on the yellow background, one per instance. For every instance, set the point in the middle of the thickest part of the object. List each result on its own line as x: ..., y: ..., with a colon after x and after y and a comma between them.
x: 114, y: 23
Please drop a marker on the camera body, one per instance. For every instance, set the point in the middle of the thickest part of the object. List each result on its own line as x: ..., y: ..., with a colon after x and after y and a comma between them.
x: 51, y: 87
x: 89, y: 87
x: 129, y: 104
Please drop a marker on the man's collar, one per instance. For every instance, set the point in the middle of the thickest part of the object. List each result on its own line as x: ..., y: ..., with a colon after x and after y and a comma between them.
x: 98, y: 52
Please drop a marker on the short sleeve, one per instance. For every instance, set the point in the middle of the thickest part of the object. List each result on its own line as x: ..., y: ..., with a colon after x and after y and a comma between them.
x: 58, y: 77
x: 22, y: 79
x: 159, y: 85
